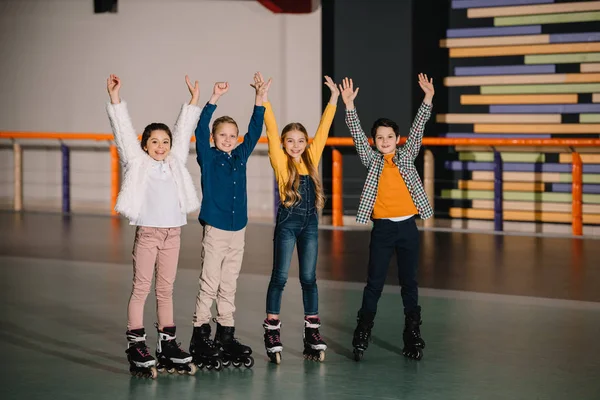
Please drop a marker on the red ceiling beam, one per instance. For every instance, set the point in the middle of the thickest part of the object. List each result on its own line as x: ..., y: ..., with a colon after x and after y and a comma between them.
x: 289, y: 6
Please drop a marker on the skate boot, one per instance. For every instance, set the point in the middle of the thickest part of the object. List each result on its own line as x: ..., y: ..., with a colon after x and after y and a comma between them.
x: 314, y: 345
x: 141, y: 363
x: 170, y: 356
x: 413, y: 343
x: 273, y: 339
x: 232, y: 351
x: 203, y: 349
x: 362, y: 334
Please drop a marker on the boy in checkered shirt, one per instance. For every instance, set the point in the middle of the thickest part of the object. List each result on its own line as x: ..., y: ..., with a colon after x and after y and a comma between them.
x: 393, y: 194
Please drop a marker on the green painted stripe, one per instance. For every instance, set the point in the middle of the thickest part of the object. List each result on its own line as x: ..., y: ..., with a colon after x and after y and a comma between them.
x: 591, y: 198
x: 589, y: 118
x: 506, y: 157
x: 550, y: 88
x: 547, y: 18
x: 459, y: 194
x: 562, y: 58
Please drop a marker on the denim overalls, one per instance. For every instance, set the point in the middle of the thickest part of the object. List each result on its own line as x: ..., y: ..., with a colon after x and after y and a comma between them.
x: 297, y: 224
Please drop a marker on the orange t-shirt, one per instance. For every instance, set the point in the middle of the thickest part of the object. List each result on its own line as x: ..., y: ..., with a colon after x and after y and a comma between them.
x: 393, y: 198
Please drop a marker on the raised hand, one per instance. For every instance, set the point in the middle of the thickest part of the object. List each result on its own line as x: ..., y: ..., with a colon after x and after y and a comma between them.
x: 427, y: 86
x: 334, y: 90
x: 348, y: 93
x: 194, y: 90
x: 113, y: 85
x: 262, y: 88
x: 221, y: 88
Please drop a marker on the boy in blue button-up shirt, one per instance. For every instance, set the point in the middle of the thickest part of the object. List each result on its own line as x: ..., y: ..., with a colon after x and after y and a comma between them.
x: 223, y: 215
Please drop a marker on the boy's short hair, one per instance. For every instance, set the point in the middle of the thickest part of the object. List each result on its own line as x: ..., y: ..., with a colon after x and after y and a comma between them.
x: 387, y: 123
x: 224, y: 120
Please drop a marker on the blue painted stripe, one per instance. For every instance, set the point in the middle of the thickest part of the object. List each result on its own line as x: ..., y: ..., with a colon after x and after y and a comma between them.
x: 495, y: 136
x: 506, y: 70
x: 566, y: 188
x: 458, y: 4
x: 519, y: 167
x: 545, y: 108
x: 498, y: 31
x: 575, y: 37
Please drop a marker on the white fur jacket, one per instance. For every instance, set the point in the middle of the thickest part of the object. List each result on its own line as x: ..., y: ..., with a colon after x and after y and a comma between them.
x: 136, y: 162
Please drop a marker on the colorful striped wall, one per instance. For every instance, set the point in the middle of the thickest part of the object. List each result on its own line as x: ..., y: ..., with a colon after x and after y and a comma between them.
x: 523, y: 69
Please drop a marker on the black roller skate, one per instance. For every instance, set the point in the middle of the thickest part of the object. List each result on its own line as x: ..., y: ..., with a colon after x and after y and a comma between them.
x: 170, y: 356
x: 203, y: 349
x: 141, y: 363
x: 314, y: 345
x: 273, y: 339
x: 362, y: 334
x: 413, y: 343
x: 232, y: 351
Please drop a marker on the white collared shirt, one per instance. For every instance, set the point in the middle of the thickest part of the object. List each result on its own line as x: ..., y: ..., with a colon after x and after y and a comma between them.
x: 160, y: 204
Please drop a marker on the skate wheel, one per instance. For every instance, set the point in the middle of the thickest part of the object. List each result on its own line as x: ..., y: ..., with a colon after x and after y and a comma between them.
x: 153, y: 373
x: 249, y: 362
x: 275, y: 358
x: 218, y: 365
x: 226, y: 363
x: 192, y: 370
x: 200, y: 365
x: 415, y: 353
x: 358, y: 355
x: 321, y: 356
x: 236, y: 364
x: 171, y: 370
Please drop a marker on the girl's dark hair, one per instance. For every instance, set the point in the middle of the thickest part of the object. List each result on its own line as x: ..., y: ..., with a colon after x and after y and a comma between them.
x: 387, y: 123
x: 155, y: 126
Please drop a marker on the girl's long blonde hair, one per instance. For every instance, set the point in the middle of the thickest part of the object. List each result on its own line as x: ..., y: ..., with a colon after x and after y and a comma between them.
x: 292, y: 195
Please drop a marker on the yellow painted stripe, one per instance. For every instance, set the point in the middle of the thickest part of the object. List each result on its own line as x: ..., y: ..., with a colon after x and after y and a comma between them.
x: 541, y: 216
x: 518, y: 176
x: 590, y: 67
x: 596, y: 97
x: 589, y: 118
x: 585, y: 158
x: 519, y: 79
x: 521, y: 50
x: 498, y: 118
x: 494, y: 41
x: 536, y: 128
x: 533, y: 9
x: 511, y: 186
x: 470, y: 99
x: 534, y: 206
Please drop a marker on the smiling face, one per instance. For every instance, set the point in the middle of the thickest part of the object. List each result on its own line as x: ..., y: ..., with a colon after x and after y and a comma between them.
x: 386, y: 140
x: 294, y: 143
x: 158, y: 145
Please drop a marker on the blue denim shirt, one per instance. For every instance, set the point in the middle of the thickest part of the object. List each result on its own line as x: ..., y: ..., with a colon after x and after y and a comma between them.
x: 223, y: 176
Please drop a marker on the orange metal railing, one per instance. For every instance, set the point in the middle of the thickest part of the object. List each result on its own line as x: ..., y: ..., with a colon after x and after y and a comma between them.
x: 337, y: 164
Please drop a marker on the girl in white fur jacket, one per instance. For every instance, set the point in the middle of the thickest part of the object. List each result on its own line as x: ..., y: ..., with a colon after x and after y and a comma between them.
x: 156, y: 195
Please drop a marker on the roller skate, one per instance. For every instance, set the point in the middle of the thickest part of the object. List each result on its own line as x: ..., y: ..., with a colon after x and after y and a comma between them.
x: 203, y: 349
x: 170, y: 356
x: 233, y: 352
x: 413, y: 343
x: 273, y: 340
x: 141, y: 363
x: 362, y: 334
x: 314, y: 345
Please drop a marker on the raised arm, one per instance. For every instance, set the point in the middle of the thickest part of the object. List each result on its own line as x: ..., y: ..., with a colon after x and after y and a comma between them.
x: 186, y: 122
x: 277, y: 155
x: 120, y: 122
x: 318, y: 144
x: 363, y: 148
x: 415, y: 136
x: 202, y: 130
x: 256, y: 121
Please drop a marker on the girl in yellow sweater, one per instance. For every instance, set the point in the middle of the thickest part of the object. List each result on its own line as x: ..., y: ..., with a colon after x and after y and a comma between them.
x: 301, y: 194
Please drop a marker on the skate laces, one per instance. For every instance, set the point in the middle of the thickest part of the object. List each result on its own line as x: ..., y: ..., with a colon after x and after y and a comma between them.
x: 273, y: 336
x: 143, y: 350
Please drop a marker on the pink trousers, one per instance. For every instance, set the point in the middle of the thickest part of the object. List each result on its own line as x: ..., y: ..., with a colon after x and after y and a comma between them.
x: 155, y: 253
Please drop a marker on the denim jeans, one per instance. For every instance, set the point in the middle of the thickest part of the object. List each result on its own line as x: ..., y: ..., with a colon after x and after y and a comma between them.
x: 296, y: 225
x: 386, y: 237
